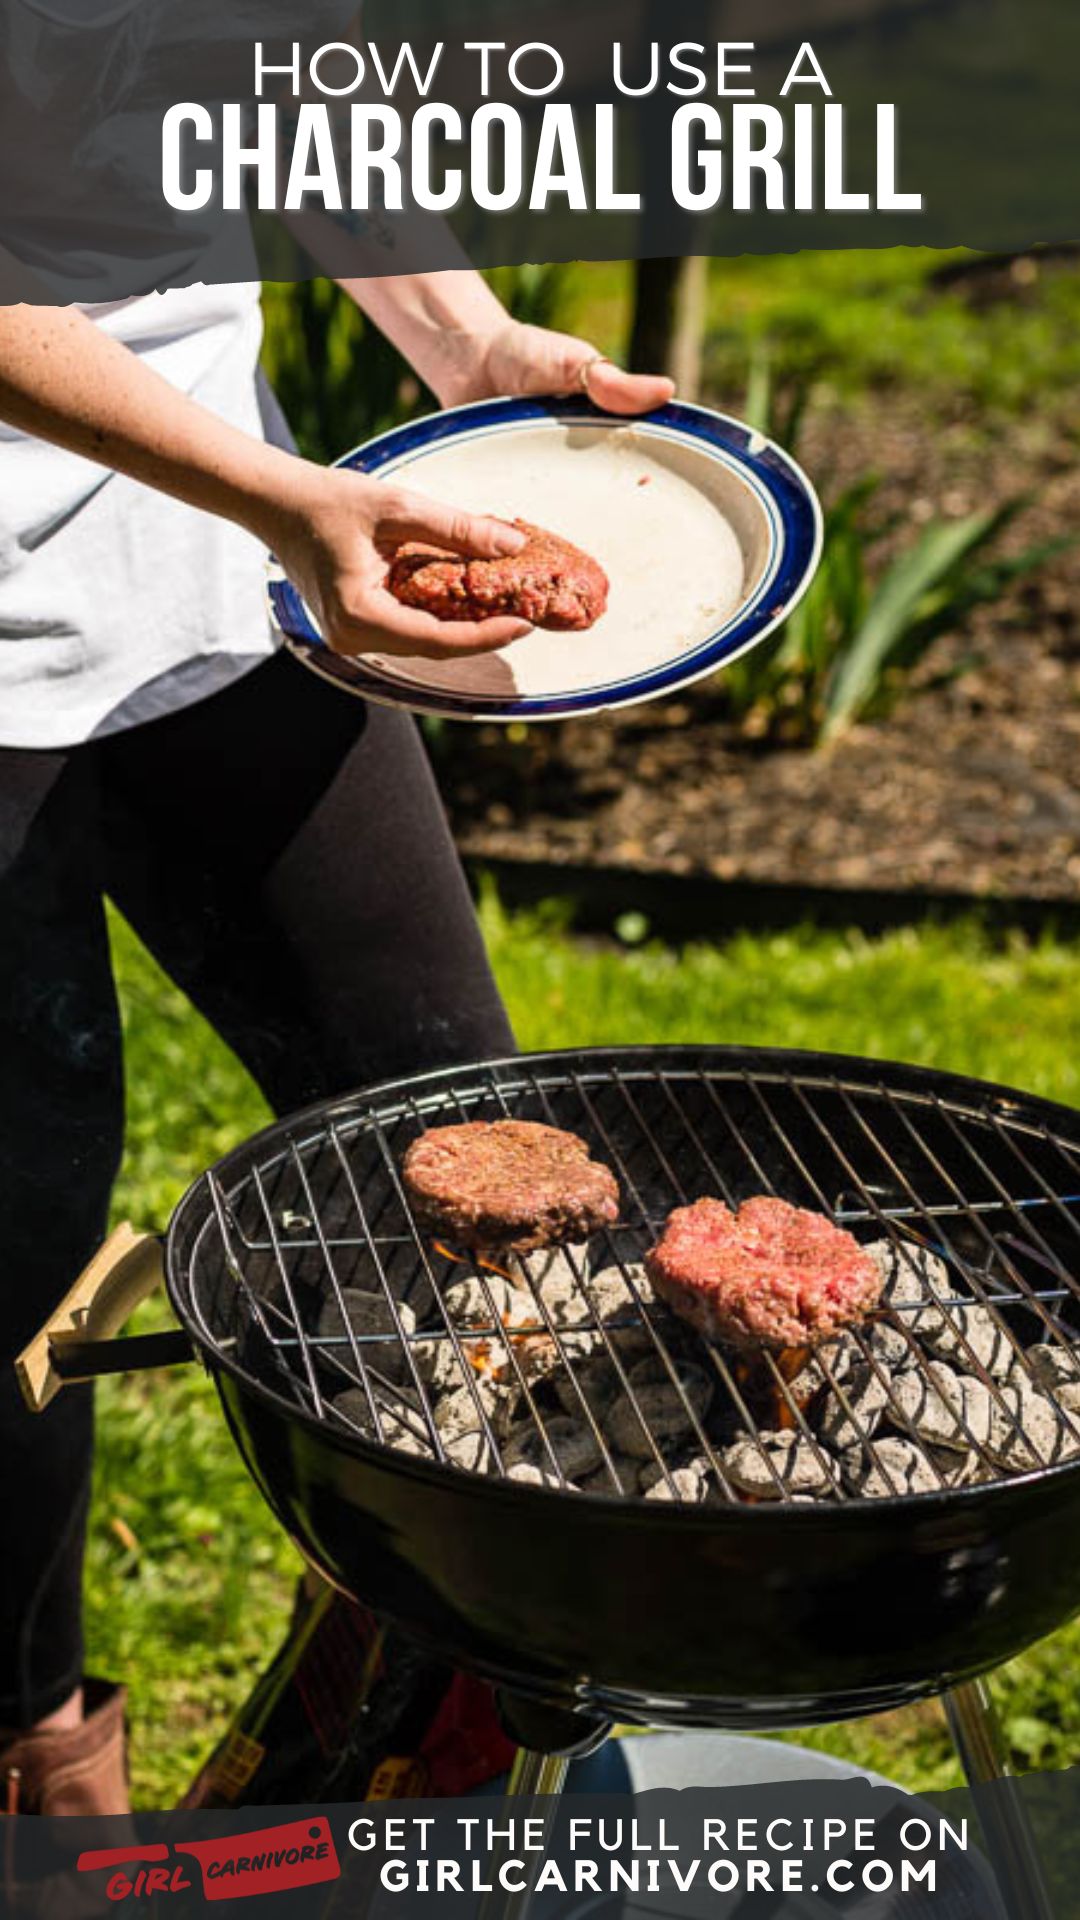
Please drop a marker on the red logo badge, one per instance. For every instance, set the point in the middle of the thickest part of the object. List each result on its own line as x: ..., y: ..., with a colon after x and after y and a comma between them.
x: 268, y: 1860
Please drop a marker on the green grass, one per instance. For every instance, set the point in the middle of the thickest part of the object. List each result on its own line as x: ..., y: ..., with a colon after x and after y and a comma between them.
x: 866, y: 319
x: 873, y: 320
x: 189, y: 1579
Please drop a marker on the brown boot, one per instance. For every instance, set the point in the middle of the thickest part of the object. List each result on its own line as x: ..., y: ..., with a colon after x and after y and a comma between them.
x: 71, y: 1769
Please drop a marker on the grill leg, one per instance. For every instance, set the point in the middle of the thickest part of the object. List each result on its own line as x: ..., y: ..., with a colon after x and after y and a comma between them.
x: 532, y: 1775
x: 1010, y: 1843
x: 537, y: 1773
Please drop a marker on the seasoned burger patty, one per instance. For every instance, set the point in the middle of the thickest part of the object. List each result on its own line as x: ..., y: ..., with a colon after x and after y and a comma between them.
x: 509, y: 1184
x: 770, y: 1275
x: 550, y: 583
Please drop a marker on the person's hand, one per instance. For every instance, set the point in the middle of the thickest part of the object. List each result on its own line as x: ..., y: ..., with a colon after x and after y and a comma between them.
x: 518, y: 360
x: 334, y: 535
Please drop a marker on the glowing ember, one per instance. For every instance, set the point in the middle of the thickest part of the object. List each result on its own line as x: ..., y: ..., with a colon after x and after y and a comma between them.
x: 473, y: 1260
x: 447, y: 1253
x: 490, y: 1266
x: 762, y: 1388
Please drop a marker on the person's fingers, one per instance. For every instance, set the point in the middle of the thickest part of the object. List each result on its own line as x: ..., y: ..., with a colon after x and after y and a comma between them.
x: 388, y: 627
x: 479, y: 536
x: 574, y: 366
x: 609, y: 388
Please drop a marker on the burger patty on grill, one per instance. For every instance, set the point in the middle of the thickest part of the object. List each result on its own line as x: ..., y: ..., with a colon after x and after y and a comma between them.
x: 550, y: 583
x: 508, y: 1184
x: 769, y: 1275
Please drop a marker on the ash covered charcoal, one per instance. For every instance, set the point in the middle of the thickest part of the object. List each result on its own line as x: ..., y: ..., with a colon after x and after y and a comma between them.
x: 601, y: 1481
x: 667, y: 1409
x: 866, y: 1394
x: 756, y: 1466
x: 689, y: 1481
x: 948, y: 1409
x: 550, y: 1266
x: 595, y: 1380
x: 474, y: 1305
x: 624, y: 1288
x: 889, y: 1466
x: 971, y: 1337
x: 1056, y: 1368
x: 403, y: 1428
x: 613, y: 1300
x: 367, y: 1314
x: 911, y: 1275
x: 470, y: 1451
x: 572, y: 1442
x: 1028, y: 1431
x: 574, y: 1299
x: 457, y: 1412
x: 565, y: 1302
x: 931, y: 1402
x: 438, y: 1365
x: 888, y: 1344
x: 508, y: 1185
x: 977, y: 1402
x: 538, y: 1356
x: 826, y: 1367
x: 522, y: 1350
x: 470, y: 1301
x: 1065, y: 1444
x: 527, y: 1474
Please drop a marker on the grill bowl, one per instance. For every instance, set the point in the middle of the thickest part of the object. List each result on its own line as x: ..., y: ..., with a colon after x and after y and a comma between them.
x: 762, y: 1615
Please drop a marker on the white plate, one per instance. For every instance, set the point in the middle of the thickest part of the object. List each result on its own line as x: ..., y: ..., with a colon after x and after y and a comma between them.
x: 709, y: 535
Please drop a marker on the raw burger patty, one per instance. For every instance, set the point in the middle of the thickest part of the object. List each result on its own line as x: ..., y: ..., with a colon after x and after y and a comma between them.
x: 770, y: 1275
x: 509, y: 1184
x: 549, y: 583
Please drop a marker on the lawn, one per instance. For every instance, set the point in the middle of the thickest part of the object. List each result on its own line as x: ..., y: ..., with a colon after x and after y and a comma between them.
x: 945, y: 322
x: 189, y: 1580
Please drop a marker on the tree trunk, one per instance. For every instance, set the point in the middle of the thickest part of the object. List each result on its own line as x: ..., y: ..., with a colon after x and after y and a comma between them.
x: 669, y: 320
x: 652, y: 329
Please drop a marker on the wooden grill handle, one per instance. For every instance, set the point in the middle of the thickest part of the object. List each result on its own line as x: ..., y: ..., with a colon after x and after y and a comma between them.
x: 123, y: 1272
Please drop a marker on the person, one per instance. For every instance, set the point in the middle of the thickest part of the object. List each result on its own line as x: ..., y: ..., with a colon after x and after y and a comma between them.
x: 279, y: 846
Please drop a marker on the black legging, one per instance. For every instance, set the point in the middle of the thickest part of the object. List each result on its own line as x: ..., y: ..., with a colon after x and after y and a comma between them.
x: 282, y: 850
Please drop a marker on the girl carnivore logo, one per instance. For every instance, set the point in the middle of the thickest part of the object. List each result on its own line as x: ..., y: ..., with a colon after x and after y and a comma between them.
x: 267, y: 1860
x: 142, y: 1881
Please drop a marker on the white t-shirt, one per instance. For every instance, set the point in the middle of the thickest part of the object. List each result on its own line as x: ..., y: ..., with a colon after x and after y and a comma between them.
x: 117, y: 602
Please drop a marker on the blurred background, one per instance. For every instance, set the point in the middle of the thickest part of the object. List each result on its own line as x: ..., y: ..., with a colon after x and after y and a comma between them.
x: 865, y: 837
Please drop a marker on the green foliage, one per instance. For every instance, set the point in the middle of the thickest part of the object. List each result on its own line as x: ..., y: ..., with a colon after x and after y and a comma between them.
x: 848, y: 319
x: 340, y: 381
x: 927, y: 590
x: 850, y: 645
x: 189, y: 1579
x: 861, y: 630
x: 884, y: 319
x: 533, y: 294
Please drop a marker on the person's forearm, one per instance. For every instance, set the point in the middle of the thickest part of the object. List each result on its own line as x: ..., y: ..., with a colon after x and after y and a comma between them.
x: 62, y: 379
x: 441, y: 322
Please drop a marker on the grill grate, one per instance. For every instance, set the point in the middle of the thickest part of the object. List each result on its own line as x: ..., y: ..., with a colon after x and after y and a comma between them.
x: 985, y: 1183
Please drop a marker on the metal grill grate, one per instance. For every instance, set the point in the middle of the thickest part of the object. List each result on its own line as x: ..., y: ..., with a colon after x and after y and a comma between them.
x: 986, y: 1184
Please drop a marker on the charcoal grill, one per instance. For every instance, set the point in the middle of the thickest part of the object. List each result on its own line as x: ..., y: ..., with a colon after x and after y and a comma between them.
x: 588, y: 1607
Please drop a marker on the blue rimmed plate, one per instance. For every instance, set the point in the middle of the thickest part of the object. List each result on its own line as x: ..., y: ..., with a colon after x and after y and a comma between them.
x: 709, y: 535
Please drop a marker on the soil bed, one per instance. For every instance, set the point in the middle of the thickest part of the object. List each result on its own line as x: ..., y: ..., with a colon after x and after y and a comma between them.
x: 969, y: 785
